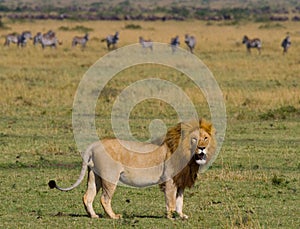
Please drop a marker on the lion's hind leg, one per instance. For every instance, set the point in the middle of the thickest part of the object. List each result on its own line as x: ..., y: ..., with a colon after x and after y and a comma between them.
x: 93, y: 186
x: 106, y: 197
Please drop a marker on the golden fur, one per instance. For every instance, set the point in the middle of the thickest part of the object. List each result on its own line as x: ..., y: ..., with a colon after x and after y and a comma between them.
x: 115, y: 160
x: 188, y: 175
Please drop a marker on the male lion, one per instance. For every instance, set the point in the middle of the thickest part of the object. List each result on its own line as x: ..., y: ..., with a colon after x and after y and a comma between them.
x: 173, y: 164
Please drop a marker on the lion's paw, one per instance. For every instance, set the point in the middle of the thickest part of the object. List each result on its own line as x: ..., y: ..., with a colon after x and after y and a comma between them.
x: 175, y: 215
x: 183, y: 216
x: 117, y: 216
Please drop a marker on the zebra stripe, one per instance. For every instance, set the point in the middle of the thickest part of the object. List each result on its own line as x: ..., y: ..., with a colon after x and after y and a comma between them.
x: 146, y: 43
x: 174, y: 43
x: 80, y: 40
x: 23, y: 38
x: 11, y: 38
x: 47, y: 39
x: 190, y: 41
x: 252, y: 43
x: 286, y: 43
x: 36, y: 38
x: 111, y: 40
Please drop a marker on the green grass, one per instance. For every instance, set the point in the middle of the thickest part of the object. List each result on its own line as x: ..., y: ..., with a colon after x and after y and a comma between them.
x: 254, y: 183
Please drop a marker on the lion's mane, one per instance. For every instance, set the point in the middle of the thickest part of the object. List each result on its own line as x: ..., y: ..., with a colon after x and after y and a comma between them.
x: 188, y: 175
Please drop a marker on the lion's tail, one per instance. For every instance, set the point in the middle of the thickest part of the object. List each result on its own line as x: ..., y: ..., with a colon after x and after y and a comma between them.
x: 52, y: 184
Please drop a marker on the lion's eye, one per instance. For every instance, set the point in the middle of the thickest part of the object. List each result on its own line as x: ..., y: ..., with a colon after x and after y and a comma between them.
x: 205, y: 138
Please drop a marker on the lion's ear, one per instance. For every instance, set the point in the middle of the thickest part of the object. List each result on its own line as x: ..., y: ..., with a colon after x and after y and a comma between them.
x: 207, y: 126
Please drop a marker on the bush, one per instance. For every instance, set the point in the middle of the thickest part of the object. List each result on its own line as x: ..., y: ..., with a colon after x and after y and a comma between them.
x: 280, y: 113
x: 277, y: 180
x: 64, y: 28
x: 271, y: 26
x: 4, y: 8
x: 133, y: 26
x: 79, y: 28
x: 3, y: 26
x: 82, y: 28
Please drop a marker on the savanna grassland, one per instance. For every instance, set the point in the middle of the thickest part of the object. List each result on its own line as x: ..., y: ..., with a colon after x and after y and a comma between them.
x: 254, y: 183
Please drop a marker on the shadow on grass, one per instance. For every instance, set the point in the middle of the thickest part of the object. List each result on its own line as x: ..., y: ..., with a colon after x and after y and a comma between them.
x: 125, y: 216
x: 147, y: 216
x: 73, y: 215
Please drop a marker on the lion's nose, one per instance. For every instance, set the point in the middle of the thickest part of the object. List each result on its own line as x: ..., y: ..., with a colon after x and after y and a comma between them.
x: 201, y: 148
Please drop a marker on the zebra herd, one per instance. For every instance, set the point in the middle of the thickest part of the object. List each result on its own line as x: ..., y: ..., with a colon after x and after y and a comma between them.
x: 50, y: 39
x: 19, y: 39
x: 46, y: 39
x: 256, y: 43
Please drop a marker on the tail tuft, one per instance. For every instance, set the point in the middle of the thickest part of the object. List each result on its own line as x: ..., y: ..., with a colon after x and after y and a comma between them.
x: 52, y: 184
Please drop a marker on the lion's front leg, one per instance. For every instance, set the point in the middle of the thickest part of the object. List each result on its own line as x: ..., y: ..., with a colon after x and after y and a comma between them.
x: 179, y: 203
x: 170, y: 197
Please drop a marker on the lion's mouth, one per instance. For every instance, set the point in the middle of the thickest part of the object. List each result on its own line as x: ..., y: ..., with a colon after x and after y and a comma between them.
x: 200, y: 158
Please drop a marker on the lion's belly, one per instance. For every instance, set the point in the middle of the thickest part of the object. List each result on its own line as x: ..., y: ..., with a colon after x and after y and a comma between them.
x: 142, y: 177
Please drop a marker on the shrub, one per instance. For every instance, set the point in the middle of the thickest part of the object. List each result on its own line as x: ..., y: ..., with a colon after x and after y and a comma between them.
x: 280, y: 113
x: 79, y: 28
x: 4, y: 8
x: 271, y: 26
x: 132, y: 26
x: 64, y: 28
x: 277, y: 180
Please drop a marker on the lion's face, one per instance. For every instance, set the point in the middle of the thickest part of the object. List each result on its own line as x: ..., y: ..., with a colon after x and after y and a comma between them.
x: 202, y: 147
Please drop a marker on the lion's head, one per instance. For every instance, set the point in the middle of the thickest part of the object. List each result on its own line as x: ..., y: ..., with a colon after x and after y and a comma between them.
x: 204, y: 152
x: 206, y: 145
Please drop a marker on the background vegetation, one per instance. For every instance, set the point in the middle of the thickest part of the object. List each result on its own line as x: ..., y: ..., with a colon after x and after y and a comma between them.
x: 152, y: 10
x: 254, y: 183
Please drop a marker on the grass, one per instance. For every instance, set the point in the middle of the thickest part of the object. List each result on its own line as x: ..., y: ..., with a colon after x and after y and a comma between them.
x: 254, y: 183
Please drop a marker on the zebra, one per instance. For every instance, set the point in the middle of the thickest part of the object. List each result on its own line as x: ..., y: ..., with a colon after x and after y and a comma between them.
x: 190, y: 42
x: 47, y: 39
x: 146, y: 43
x: 111, y: 40
x: 174, y: 43
x: 252, y: 43
x: 50, y: 33
x: 36, y: 38
x: 286, y: 43
x: 80, y: 40
x: 11, y: 38
x: 22, y: 39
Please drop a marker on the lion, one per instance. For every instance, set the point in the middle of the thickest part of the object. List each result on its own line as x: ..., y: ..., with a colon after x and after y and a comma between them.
x: 173, y: 164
